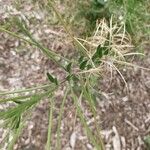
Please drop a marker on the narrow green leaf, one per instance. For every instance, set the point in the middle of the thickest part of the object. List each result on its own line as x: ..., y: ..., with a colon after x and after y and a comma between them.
x: 106, y: 48
x: 75, y: 78
x: 58, y: 141
x: 22, y: 26
x: 68, y: 68
x: 50, y: 124
x: 68, y: 78
x: 18, y: 101
x: 23, y: 91
x: 89, y: 66
x: 51, y: 78
x: 106, y: 51
x: 18, y: 131
x: 16, y: 122
x: 83, y: 64
x: 81, y: 59
x: 56, y: 81
x: 10, y: 116
x: 98, y: 53
x: 83, y: 120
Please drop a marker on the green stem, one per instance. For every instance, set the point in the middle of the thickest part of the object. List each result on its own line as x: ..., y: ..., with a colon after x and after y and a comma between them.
x: 58, y: 144
x: 15, y: 137
x: 22, y: 98
x: 26, y: 90
x: 18, y: 132
x: 17, y: 36
x: 83, y: 121
x: 48, y: 144
x: 14, y: 99
x: 51, y: 54
x: 88, y: 96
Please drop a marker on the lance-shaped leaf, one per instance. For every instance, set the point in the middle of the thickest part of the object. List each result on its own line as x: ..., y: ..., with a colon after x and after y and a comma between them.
x: 52, y: 79
x: 68, y: 67
x: 83, y: 64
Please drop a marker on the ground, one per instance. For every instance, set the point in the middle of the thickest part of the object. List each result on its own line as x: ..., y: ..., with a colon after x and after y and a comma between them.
x: 123, y: 114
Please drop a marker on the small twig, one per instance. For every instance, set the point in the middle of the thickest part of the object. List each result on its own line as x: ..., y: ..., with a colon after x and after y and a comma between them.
x: 132, y: 125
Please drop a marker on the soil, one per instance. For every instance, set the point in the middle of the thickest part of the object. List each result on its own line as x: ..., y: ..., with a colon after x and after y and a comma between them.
x: 123, y: 115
